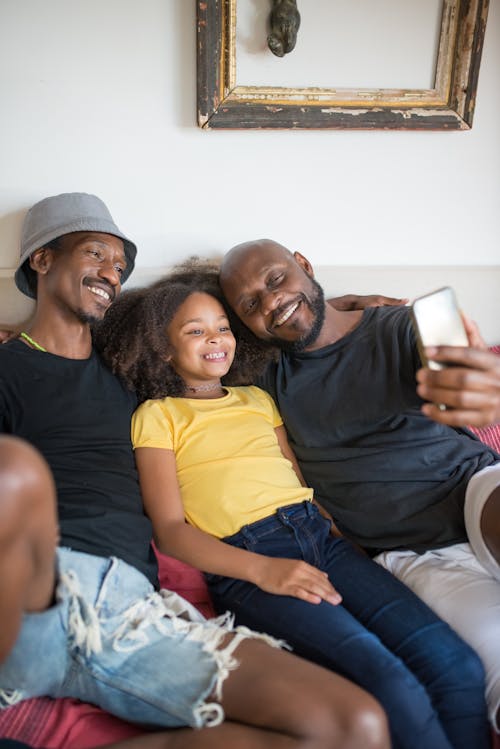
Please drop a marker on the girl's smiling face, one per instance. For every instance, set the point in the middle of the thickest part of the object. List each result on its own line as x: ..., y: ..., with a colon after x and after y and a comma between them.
x: 201, y: 340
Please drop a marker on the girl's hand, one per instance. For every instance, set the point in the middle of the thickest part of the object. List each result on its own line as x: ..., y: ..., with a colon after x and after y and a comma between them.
x: 291, y: 577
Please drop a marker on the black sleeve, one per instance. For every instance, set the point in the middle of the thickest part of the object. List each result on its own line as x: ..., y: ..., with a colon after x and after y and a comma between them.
x: 4, y: 411
x: 408, y: 351
x: 267, y: 380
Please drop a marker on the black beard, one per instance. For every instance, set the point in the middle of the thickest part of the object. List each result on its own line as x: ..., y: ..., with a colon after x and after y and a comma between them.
x: 317, y: 307
x: 87, y: 318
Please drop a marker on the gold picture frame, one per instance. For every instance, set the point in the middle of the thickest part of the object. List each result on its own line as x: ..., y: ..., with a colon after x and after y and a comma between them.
x: 449, y: 105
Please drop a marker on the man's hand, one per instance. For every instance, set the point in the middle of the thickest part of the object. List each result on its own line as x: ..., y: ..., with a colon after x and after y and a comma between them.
x: 290, y: 577
x: 6, y: 335
x: 470, y: 388
x: 350, y: 302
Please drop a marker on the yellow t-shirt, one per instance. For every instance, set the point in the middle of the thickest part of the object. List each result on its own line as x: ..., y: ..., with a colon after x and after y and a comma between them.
x: 230, y: 466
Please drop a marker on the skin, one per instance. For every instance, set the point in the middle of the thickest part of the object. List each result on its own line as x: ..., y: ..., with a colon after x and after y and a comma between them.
x: 28, y: 536
x: 202, y: 344
x: 76, y: 285
x: 470, y: 389
x: 271, y: 290
x: 291, y: 704
x: 263, y: 282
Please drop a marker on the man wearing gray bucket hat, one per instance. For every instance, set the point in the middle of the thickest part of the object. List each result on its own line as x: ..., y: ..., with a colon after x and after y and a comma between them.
x: 63, y: 214
x: 85, y: 620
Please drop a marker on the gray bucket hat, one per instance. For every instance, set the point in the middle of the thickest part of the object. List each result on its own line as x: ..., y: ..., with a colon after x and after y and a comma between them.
x: 63, y: 214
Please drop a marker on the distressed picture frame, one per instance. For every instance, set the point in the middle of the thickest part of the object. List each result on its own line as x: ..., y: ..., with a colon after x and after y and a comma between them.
x: 448, y: 105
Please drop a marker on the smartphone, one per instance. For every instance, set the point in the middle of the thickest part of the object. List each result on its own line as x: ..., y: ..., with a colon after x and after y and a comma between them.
x: 437, y: 322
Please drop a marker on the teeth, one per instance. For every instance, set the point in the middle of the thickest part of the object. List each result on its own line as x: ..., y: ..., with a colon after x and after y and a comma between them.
x: 216, y: 355
x: 100, y: 292
x: 287, y: 314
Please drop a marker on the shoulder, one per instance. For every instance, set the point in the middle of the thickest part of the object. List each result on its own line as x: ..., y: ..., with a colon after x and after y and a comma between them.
x: 154, y: 407
x: 390, y: 316
x: 392, y: 322
x: 255, y: 393
x: 260, y: 400
x: 267, y: 380
x: 15, y: 356
x: 12, y: 349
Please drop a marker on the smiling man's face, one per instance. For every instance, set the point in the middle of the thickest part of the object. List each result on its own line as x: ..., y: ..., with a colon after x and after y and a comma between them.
x: 274, y: 293
x: 82, y: 276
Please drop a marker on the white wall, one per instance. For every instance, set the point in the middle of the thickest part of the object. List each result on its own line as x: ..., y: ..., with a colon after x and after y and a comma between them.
x: 99, y: 96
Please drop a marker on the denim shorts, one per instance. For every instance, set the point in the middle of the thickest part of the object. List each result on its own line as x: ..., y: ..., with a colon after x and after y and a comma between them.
x: 110, y: 639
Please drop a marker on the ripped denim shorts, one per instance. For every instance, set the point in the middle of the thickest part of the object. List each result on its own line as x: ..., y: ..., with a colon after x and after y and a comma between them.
x: 110, y: 639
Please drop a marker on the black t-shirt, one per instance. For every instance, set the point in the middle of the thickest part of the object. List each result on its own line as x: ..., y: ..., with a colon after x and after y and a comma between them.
x: 389, y: 476
x: 77, y: 413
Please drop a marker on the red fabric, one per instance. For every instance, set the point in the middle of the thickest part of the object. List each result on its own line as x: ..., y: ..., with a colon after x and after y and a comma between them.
x: 70, y: 724
x: 489, y: 435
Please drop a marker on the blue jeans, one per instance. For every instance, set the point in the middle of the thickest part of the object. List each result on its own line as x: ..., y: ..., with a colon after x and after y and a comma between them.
x: 112, y: 640
x: 381, y: 636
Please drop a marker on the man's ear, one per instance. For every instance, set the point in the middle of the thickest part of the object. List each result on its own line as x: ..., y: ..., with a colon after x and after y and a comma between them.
x: 304, y: 263
x: 41, y: 260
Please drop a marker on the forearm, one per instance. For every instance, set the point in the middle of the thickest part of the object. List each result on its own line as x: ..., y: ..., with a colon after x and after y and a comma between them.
x: 208, y: 553
x: 280, y: 576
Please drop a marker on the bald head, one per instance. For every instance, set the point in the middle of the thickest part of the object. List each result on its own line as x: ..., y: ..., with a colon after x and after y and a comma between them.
x: 263, y: 250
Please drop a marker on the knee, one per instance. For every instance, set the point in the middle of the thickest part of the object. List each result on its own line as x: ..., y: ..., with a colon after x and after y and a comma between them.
x: 27, y: 493
x: 367, y: 726
x: 473, y: 668
x: 22, y: 468
x: 362, y: 724
x: 463, y: 667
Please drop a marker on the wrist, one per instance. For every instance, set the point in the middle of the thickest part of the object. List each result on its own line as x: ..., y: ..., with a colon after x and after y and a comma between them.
x: 256, y: 569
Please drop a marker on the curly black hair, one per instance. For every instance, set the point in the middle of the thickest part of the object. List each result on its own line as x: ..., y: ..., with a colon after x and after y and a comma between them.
x: 132, y: 338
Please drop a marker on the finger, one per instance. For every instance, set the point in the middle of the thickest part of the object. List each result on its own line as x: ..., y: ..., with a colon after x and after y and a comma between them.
x: 473, y: 400
x: 458, y: 378
x: 479, y: 397
x: 473, y: 333
x: 322, y: 587
x: 306, y: 593
x: 459, y: 417
x: 395, y: 302
x: 464, y: 356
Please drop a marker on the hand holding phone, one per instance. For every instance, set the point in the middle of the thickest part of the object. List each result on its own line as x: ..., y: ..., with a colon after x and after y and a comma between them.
x: 437, y: 322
